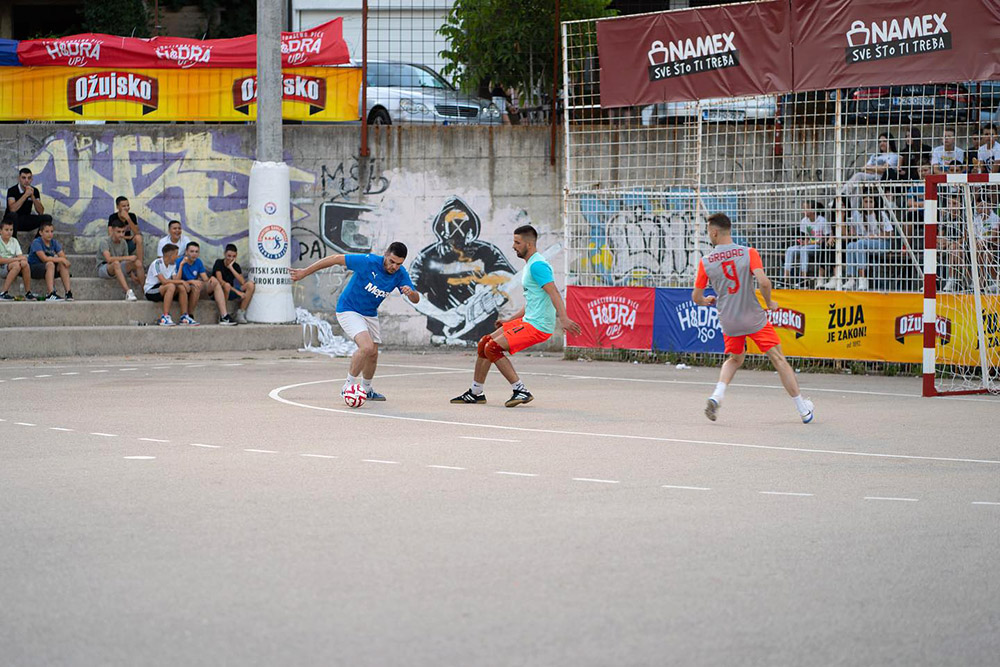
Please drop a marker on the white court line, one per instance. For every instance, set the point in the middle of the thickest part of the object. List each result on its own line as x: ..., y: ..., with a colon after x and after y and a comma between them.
x: 56, y: 428
x: 43, y: 376
x: 24, y: 424
x: 984, y: 502
x: 598, y: 481
x: 128, y: 369
x: 20, y: 378
x: 445, y: 467
x: 261, y: 451
x: 275, y: 394
x: 70, y: 373
x: 686, y: 488
x: 472, y: 437
x: 105, y: 435
x: 159, y: 368
x: 191, y: 366
x: 905, y: 500
x: 103, y: 371
x: 516, y: 474
x: 394, y: 463
x: 139, y: 458
x: 198, y: 444
x: 784, y: 493
x: 153, y: 440
x: 318, y: 456
x: 232, y: 364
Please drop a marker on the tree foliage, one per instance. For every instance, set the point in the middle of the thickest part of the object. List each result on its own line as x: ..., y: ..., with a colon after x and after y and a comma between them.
x: 117, y: 17
x: 508, y: 43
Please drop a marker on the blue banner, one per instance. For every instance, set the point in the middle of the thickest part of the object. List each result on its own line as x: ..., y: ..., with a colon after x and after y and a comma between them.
x: 681, y: 326
x: 8, y: 53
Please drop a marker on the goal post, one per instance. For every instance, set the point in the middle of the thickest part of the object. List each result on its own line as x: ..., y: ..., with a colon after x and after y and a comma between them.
x: 961, y: 317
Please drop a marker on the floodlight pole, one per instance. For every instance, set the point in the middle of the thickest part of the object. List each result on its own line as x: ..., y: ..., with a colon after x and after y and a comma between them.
x: 269, y: 143
x: 555, y: 87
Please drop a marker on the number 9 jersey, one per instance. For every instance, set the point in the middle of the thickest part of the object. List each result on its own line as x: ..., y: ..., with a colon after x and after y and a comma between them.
x: 729, y: 269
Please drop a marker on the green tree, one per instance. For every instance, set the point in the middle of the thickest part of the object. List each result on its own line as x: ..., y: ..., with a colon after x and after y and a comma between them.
x: 117, y: 17
x: 508, y: 42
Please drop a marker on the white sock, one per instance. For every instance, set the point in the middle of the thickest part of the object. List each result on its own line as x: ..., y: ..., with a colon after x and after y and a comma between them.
x: 477, y: 388
x: 351, y: 380
x: 518, y: 386
x: 719, y: 393
x: 366, y: 383
x: 800, y: 403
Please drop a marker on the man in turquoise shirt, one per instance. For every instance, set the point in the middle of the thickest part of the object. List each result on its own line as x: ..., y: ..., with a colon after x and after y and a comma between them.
x: 534, y: 324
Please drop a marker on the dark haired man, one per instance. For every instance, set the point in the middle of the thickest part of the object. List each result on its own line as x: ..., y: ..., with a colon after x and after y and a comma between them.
x: 133, y: 238
x: 534, y: 324
x: 24, y: 204
x: 375, y: 277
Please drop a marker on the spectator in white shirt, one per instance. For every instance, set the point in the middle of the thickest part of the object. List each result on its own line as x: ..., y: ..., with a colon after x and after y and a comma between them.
x: 882, y: 165
x: 814, y: 233
x: 987, y: 159
x: 948, y: 158
x: 175, y: 236
x: 162, y: 284
x: 872, y: 227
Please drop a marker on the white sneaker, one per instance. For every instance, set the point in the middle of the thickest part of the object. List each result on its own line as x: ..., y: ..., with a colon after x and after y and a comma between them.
x: 832, y: 283
x: 241, y: 316
x: 820, y: 283
x: 849, y: 285
x: 130, y: 296
x: 863, y: 284
x: 808, y: 415
x: 949, y: 285
x: 712, y: 409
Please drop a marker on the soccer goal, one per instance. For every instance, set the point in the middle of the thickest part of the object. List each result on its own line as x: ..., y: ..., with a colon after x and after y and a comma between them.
x: 961, y: 284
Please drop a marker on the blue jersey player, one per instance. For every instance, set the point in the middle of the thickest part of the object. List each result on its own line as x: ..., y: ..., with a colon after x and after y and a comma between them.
x: 375, y: 277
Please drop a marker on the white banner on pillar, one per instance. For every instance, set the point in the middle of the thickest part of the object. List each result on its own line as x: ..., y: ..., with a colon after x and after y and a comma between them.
x: 269, y: 243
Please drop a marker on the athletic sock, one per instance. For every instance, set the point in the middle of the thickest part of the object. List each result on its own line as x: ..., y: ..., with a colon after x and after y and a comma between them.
x: 518, y: 386
x: 720, y: 392
x: 366, y: 384
x: 350, y: 380
x: 477, y: 388
x: 800, y: 403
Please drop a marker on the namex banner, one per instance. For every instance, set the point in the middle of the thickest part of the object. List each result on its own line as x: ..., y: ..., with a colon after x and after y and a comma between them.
x: 69, y: 93
x: 741, y: 49
x: 843, y: 43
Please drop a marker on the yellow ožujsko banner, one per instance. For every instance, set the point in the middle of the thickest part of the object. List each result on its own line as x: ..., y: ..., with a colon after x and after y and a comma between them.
x: 881, y: 327
x: 71, y: 93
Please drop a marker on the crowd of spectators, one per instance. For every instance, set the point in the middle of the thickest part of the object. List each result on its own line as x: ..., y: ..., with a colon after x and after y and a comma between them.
x: 177, y: 274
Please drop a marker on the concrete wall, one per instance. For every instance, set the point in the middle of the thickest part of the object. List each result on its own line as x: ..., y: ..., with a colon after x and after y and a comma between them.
x: 453, y: 195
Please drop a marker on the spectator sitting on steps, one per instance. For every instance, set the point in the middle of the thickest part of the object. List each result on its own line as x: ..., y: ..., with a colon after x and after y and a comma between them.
x: 948, y: 158
x: 230, y: 276
x: 114, y: 262
x: 12, y: 263
x: 174, y: 236
x: 45, y: 257
x: 24, y: 204
x: 882, y: 165
x: 192, y: 272
x: 162, y: 284
x: 814, y: 235
x: 871, y: 226
x: 132, y: 235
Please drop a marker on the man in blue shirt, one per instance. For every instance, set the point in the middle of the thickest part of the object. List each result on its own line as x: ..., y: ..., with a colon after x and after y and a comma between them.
x: 375, y: 277
x: 191, y: 270
x: 534, y: 324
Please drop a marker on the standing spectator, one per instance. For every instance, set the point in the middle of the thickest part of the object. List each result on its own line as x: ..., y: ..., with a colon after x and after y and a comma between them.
x: 987, y: 158
x: 911, y: 154
x: 24, y: 204
x: 45, y: 257
x: 948, y: 158
x: 230, y: 276
x: 882, y: 165
x: 12, y: 263
x: 162, y: 284
x: 871, y: 227
x: 132, y: 235
x: 175, y: 236
x: 192, y: 271
x: 814, y: 234
x: 115, y: 263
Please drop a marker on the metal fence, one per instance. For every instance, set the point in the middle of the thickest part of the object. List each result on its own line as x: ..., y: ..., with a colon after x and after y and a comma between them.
x: 826, y: 184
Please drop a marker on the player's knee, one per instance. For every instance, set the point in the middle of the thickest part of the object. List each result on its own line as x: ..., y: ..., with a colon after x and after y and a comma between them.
x: 493, y: 351
x: 481, y: 347
x: 738, y: 359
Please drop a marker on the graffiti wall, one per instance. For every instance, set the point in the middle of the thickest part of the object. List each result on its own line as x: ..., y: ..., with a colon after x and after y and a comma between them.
x: 453, y: 197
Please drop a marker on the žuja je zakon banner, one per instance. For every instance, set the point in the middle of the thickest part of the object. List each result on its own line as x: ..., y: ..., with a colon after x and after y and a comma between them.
x: 70, y: 93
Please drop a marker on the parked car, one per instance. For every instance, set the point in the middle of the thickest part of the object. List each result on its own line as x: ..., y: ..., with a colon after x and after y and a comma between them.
x: 918, y: 103
x: 411, y: 93
x: 714, y: 110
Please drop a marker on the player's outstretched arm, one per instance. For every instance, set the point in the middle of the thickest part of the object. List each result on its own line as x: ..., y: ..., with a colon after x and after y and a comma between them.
x: 557, y: 301
x: 411, y: 294
x: 325, y: 263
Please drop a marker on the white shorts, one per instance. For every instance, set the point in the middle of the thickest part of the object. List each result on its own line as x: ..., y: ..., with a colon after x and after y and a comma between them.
x: 354, y: 323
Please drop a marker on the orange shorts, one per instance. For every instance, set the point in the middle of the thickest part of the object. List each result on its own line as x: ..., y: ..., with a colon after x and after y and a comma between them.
x: 766, y: 338
x: 520, y: 335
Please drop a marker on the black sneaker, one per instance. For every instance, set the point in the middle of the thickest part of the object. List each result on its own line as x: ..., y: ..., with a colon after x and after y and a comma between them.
x: 518, y: 397
x: 29, y: 296
x: 53, y: 297
x: 469, y: 397
x: 227, y: 321
x: 69, y: 295
x: 5, y: 297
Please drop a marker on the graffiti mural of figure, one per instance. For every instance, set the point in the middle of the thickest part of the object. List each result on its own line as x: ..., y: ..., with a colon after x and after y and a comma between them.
x: 463, y: 279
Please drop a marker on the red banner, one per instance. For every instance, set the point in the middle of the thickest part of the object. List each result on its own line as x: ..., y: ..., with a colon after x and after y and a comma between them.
x: 742, y: 49
x: 612, y: 317
x: 845, y: 43
x: 322, y: 45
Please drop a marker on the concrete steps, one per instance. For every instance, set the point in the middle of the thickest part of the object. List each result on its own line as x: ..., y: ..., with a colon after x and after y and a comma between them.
x: 95, y: 313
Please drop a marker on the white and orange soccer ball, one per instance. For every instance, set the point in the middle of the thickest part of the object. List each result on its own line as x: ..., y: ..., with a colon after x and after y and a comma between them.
x: 355, y: 396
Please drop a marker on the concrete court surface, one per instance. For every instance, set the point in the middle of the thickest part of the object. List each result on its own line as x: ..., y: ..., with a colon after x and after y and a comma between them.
x: 228, y: 509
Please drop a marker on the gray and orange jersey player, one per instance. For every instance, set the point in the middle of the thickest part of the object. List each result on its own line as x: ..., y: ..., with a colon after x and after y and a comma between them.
x: 534, y: 324
x: 732, y: 270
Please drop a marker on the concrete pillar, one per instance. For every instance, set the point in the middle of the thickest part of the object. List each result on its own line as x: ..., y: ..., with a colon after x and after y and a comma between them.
x: 269, y: 148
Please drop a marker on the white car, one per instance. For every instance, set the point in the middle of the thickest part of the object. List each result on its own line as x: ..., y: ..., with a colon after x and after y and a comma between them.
x: 411, y: 93
x: 714, y: 110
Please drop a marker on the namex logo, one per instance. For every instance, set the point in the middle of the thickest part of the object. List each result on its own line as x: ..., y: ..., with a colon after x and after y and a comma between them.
x: 272, y: 242
x: 615, y: 313
x: 897, y: 37
x: 692, y: 55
